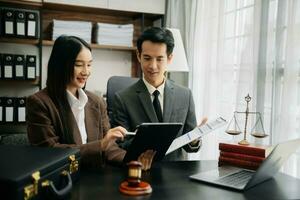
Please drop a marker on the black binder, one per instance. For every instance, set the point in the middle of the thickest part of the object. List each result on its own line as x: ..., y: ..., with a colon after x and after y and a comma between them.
x: 20, y: 111
x: 1, y: 22
x: 8, y: 69
x: 30, y: 67
x: 20, y: 23
x: 1, y: 109
x: 28, y: 172
x: 9, y: 109
x: 32, y: 24
x: 8, y: 22
x: 1, y: 66
x: 19, y: 67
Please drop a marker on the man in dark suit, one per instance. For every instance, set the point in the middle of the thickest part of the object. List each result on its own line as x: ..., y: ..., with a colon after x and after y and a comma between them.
x: 154, y: 98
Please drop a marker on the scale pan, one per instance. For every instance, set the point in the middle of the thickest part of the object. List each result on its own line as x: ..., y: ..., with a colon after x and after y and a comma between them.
x: 259, y: 135
x: 233, y: 132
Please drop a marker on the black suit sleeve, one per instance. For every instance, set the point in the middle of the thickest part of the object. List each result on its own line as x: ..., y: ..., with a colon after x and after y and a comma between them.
x: 190, y: 124
x: 120, y: 116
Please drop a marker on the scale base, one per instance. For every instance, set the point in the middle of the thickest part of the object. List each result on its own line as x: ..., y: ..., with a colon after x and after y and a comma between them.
x: 244, y: 142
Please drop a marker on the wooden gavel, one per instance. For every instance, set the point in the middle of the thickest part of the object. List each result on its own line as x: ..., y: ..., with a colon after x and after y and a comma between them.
x: 134, y: 173
x: 133, y: 185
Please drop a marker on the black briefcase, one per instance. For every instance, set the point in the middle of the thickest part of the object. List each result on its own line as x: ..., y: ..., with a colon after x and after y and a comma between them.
x: 28, y: 172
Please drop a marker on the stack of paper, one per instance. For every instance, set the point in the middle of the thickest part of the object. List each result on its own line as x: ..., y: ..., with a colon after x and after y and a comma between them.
x: 75, y: 28
x: 115, y: 34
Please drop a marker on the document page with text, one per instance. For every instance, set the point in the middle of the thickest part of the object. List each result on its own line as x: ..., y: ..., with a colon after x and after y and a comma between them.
x: 196, y: 133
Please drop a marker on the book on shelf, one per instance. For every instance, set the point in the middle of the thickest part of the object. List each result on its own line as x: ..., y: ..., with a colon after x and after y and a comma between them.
x: 238, y: 163
x: 252, y: 149
x: 240, y: 156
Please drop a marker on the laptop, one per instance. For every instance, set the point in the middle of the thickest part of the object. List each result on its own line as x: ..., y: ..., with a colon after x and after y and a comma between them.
x: 243, y: 179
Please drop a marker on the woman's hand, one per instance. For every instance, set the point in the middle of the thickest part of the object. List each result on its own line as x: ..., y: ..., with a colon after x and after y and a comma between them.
x: 146, y: 159
x: 112, y: 135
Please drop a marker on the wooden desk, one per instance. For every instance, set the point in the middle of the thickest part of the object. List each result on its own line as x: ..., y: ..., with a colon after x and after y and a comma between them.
x: 169, y: 180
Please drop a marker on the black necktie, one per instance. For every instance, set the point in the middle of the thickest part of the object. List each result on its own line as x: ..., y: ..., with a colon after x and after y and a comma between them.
x: 156, y: 106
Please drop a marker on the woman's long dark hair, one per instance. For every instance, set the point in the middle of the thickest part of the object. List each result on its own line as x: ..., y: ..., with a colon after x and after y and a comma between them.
x: 60, y: 74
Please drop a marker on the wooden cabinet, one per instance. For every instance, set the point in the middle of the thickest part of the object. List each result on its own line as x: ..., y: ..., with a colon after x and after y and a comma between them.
x: 25, y: 80
x: 140, y: 13
x: 141, y: 6
x: 83, y: 3
x: 61, y: 11
x: 145, y: 6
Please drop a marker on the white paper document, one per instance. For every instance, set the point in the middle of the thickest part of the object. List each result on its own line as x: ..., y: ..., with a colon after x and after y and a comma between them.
x: 20, y: 28
x: 8, y: 71
x: 9, y: 27
x: 21, y: 114
x: 196, y: 133
x: 1, y: 118
x: 19, y: 71
x: 9, y: 111
x: 31, y: 72
x: 31, y: 28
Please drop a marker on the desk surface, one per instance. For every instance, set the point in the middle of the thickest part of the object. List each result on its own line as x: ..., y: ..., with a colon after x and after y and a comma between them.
x: 169, y: 180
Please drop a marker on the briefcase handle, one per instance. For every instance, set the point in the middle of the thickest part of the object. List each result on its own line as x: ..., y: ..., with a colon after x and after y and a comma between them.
x: 60, y: 194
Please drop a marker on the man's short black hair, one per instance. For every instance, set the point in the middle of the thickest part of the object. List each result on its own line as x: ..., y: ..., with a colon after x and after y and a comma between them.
x: 157, y: 35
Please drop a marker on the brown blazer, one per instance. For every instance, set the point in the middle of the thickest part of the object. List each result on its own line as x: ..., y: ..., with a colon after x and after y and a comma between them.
x: 45, y: 128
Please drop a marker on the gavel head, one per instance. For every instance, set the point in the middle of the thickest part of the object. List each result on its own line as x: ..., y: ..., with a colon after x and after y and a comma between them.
x: 134, y: 173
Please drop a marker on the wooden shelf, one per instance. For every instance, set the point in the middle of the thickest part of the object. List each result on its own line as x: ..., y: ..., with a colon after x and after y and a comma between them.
x: 20, y: 81
x: 94, y: 15
x: 19, y: 40
x: 7, y: 128
x: 122, y: 48
x: 12, y: 123
x: 97, y: 46
x: 97, y: 11
x: 22, y: 3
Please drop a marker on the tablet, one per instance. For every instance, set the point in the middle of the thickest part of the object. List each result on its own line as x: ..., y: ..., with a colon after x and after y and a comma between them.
x: 152, y: 136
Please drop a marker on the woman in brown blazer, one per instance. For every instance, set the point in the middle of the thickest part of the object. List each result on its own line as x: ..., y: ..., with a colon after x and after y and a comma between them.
x: 65, y: 115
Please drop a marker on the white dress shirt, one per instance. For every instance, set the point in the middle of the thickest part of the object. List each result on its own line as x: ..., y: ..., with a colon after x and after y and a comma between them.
x: 160, y: 88
x: 77, y: 106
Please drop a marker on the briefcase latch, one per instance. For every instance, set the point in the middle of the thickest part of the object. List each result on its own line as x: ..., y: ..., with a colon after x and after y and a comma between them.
x: 73, y: 164
x: 32, y: 190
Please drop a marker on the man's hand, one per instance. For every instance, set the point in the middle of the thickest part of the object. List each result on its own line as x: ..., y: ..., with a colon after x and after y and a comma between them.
x: 197, y: 142
x: 203, y: 121
x: 146, y: 159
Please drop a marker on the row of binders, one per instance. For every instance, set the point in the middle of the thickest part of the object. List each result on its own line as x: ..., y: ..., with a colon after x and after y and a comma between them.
x: 15, y: 67
x: 12, y: 109
x: 19, y: 23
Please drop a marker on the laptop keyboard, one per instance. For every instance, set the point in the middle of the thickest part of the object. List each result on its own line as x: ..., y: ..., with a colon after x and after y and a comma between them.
x: 237, y: 179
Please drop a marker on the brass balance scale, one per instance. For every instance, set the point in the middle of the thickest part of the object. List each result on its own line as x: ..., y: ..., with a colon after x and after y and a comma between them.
x: 234, y: 129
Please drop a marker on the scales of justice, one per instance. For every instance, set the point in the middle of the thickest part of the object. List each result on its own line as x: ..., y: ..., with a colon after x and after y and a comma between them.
x: 257, y: 130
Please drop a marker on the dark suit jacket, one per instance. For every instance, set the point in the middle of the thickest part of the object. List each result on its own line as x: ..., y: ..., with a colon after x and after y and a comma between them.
x: 45, y: 128
x: 133, y: 106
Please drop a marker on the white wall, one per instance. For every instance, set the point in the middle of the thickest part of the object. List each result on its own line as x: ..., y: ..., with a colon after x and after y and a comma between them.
x: 106, y: 63
x: 153, y: 6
